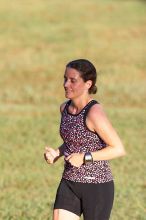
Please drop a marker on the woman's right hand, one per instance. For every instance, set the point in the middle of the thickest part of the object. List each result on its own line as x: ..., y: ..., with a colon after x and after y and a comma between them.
x: 51, y: 155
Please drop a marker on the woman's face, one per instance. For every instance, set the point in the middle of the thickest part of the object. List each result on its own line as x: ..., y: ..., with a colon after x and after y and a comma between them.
x: 74, y: 85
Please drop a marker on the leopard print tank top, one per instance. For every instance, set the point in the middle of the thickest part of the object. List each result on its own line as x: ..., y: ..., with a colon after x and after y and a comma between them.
x: 79, y: 139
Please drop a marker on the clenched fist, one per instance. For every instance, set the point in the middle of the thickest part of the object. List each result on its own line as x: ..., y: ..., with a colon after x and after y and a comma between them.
x: 51, y: 155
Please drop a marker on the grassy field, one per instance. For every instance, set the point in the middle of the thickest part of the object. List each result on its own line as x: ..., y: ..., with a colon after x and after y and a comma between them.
x: 37, y: 39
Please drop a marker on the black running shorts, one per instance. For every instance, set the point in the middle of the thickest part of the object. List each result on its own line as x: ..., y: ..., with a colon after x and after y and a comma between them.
x: 92, y: 200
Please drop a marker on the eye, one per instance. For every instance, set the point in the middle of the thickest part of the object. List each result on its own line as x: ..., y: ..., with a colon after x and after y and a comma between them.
x: 73, y: 80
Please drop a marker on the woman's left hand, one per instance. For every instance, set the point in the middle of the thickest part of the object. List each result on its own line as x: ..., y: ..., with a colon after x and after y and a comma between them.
x: 75, y: 159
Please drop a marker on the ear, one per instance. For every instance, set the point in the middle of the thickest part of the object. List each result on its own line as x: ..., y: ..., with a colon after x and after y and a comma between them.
x: 88, y: 84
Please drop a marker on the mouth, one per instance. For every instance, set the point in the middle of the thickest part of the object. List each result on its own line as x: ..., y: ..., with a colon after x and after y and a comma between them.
x: 68, y: 91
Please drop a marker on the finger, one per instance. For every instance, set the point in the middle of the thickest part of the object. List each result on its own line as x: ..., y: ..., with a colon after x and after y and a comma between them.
x: 51, y: 151
x: 68, y: 157
x: 47, y: 148
x: 49, y: 155
x: 48, y: 151
x: 48, y: 161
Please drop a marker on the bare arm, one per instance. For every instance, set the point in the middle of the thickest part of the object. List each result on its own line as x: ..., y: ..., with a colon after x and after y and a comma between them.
x: 102, y: 126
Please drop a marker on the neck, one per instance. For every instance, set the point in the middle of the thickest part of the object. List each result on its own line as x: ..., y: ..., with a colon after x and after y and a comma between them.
x: 79, y: 103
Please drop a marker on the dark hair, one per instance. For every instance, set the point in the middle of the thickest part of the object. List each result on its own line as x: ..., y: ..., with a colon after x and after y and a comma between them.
x: 87, y: 72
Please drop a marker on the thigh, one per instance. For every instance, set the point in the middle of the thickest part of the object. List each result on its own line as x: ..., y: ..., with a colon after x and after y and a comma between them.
x: 61, y: 214
x: 97, y: 201
x: 66, y: 199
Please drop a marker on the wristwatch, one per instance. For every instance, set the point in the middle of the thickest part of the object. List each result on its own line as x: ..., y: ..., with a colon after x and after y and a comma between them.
x: 88, y: 159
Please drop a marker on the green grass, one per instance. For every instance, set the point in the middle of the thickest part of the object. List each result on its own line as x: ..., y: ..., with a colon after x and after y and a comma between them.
x: 37, y: 39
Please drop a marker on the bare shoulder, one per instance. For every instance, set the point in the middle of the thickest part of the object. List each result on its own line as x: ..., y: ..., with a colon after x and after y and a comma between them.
x: 96, y: 111
x: 62, y: 106
x: 98, y: 116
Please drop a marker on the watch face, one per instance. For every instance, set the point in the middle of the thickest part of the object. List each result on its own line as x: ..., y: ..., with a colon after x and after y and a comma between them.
x: 88, y: 159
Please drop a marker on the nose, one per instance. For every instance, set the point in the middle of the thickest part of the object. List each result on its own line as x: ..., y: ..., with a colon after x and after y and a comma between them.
x: 66, y: 83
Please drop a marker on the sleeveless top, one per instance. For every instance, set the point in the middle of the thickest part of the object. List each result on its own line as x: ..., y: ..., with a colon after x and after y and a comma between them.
x: 79, y: 139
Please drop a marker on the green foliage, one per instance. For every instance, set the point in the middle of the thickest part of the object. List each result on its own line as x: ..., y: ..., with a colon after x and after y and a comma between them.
x: 37, y: 39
